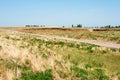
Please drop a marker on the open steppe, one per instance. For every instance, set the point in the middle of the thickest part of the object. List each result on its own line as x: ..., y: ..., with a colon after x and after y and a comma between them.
x: 24, y: 56
x: 108, y: 35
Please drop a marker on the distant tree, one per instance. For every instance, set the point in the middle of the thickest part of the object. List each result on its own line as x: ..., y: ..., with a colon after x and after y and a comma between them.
x: 63, y: 26
x: 72, y: 25
x: 119, y: 26
x: 35, y: 25
x: 79, y: 25
x: 108, y: 26
x: 27, y: 25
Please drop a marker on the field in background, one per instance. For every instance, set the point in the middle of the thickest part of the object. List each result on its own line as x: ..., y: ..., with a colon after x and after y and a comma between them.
x: 110, y: 35
x: 30, y: 57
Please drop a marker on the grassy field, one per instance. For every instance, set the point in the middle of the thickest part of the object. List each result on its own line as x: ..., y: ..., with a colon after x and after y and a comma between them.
x: 98, y: 34
x: 28, y: 57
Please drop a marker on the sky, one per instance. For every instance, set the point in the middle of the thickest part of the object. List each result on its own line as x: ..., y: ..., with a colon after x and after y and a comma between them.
x: 59, y: 12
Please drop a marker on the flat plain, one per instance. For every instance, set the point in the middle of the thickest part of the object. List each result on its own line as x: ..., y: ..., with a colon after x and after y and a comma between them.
x: 24, y: 56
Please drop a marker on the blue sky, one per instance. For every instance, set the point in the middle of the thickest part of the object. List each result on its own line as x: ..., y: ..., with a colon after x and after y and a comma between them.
x: 59, y: 12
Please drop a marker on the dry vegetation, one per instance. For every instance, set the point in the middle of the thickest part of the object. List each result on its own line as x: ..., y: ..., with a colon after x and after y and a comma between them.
x: 111, y: 35
x: 28, y: 57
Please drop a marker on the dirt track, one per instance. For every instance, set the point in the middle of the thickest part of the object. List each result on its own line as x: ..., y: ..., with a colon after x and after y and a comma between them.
x: 105, y: 44
x: 99, y: 43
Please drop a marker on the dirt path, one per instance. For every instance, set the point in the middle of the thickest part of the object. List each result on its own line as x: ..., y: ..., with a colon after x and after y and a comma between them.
x: 105, y: 44
x: 99, y: 43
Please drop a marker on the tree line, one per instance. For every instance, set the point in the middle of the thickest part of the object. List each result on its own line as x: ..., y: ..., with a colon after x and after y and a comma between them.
x: 34, y: 25
x: 78, y: 26
x: 109, y: 26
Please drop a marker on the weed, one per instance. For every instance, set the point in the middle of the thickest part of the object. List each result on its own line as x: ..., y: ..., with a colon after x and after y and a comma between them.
x: 7, y: 37
x: 61, y: 43
x: 71, y: 44
x: 103, y: 52
x: 113, y: 49
x: 80, y: 73
x: 87, y: 66
x: 62, y: 74
x: 47, y: 75
x: 22, y: 47
x: 15, y: 39
x: 78, y: 46
x: 99, y: 74
x: 114, y: 38
x: 0, y: 47
x: 89, y: 49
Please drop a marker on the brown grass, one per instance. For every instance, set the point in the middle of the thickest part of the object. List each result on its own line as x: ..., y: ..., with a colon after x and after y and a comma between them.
x: 110, y: 35
x: 20, y: 53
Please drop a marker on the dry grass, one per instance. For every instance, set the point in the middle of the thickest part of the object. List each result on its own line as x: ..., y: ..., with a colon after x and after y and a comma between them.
x: 24, y: 56
x: 110, y: 35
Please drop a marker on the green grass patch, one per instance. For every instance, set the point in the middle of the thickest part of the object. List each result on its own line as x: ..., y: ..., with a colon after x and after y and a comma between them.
x: 46, y: 75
